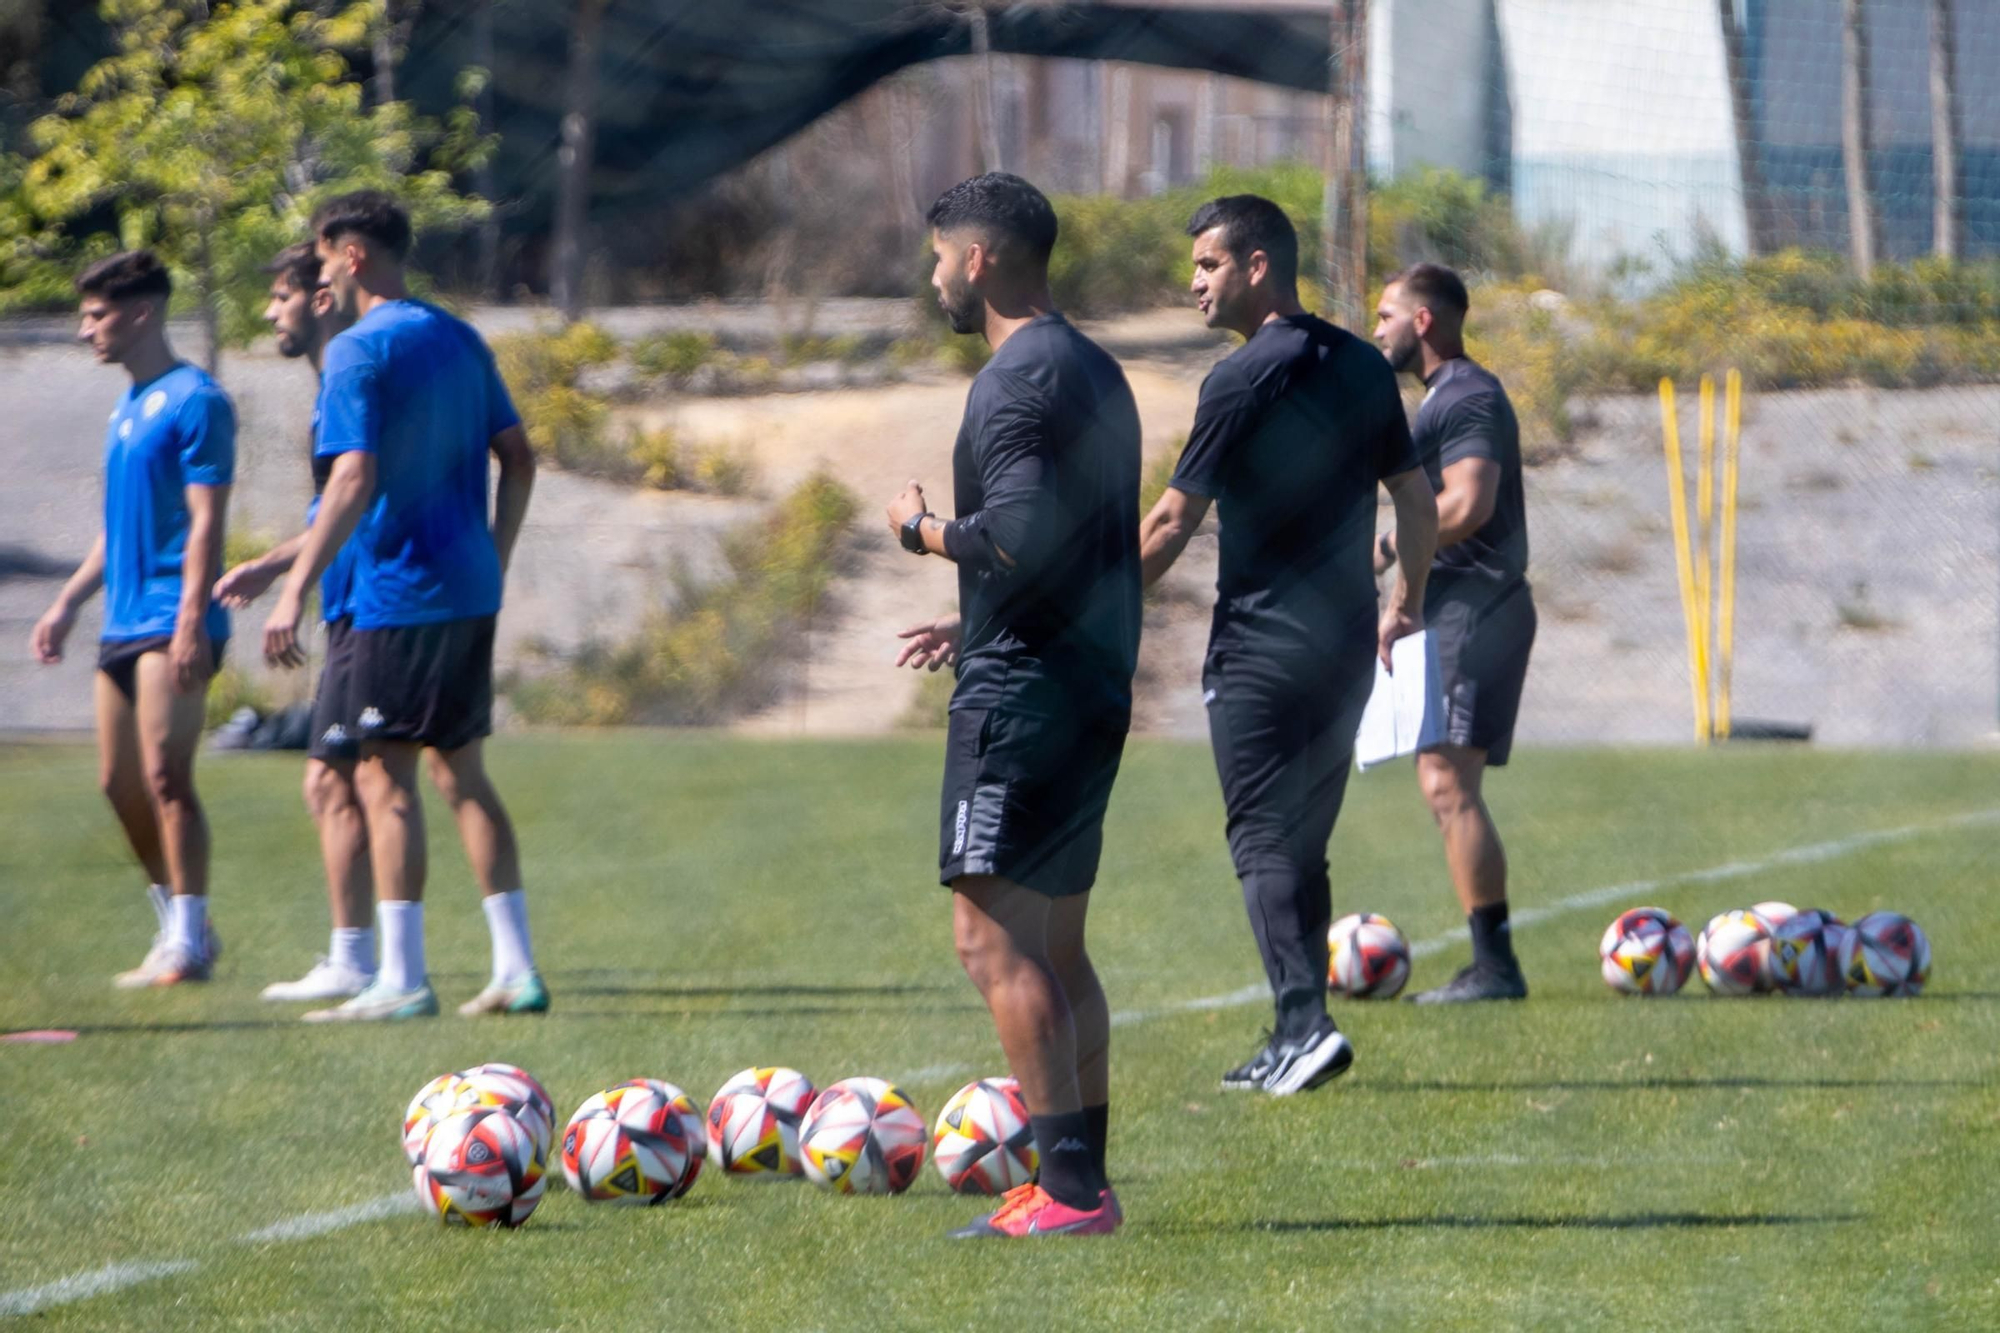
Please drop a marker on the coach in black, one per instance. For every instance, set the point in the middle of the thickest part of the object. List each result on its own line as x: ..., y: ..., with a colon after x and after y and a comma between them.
x: 1046, y: 490
x: 1479, y: 608
x: 1293, y: 432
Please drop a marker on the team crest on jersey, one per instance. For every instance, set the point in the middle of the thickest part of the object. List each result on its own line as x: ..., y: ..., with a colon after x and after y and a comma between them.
x: 371, y: 718
x: 155, y: 400
x: 125, y: 429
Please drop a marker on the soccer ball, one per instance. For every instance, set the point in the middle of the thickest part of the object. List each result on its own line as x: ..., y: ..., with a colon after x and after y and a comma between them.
x: 753, y: 1122
x: 433, y: 1102
x: 983, y: 1143
x: 1734, y: 953
x: 515, y: 1091
x: 543, y: 1102
x: 862, y: 1136
x: 637, y: 1143
x: 1885, y: 953
x: 1774, y: 913
x: 1367, y: 958
x: 1646, y: 952
x: 1805, y: 953
x: 481, y: 1168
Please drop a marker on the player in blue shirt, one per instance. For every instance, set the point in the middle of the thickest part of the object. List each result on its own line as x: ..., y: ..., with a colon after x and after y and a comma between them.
x: 301, y: 312
x: 170, y: 455
x: 411, y: 407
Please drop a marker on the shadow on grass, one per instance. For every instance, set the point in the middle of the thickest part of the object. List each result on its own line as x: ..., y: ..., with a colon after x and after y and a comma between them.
x: 1559, y: 1222
x: 767, y: 1011
x: 672, y: 992
x: 1721, y: 1083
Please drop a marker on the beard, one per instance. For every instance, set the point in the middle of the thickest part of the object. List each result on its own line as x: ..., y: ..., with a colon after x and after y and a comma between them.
x: 291, y: 345
x: 1402, y: 353
x: 962, y: 306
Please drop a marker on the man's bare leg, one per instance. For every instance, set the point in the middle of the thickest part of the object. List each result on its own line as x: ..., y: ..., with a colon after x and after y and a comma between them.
x: 1002, y: 931
x: 515, y: 987
x: 1451, y: 777
x: 166, y: 727
x: 349, y: 965
x: 1090, y: 1015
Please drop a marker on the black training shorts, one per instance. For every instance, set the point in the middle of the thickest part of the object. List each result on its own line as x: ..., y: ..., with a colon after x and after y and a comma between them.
x: 429, y: 684
x: 118, y: 659
x: 1024, y: 798
x: 1483, y: 648
x: 333, y: 738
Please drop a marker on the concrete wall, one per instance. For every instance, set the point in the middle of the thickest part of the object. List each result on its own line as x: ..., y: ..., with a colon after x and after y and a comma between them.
x: 1429, y: 86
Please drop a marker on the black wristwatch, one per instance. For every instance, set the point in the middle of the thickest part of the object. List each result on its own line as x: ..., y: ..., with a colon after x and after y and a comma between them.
x: 913, y: 534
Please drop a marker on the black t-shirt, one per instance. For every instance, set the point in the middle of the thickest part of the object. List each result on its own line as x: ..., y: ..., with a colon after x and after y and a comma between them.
x: 1465, y: 414
x: 1046, y: 471
x: 1292, y: 434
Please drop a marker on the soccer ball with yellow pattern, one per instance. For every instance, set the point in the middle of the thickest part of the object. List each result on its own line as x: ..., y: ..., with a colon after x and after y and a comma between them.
x: 753, y: 1122
x: 1646, y: 952
x: 481, y: 1168
x: 640, y: 1142
x: 863, y: 1136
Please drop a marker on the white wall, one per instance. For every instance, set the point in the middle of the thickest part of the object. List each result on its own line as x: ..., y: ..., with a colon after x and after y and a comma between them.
x: 1427, y: 73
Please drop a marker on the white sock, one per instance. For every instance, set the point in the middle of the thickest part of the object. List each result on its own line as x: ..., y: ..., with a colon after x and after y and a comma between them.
x: 353, y: 947
x: 402, y: 945
x: 507, y: 923
x: 187, y: 923
x: 157, y: 894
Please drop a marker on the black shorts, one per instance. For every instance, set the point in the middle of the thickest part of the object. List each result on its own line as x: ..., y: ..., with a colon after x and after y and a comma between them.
x: 119, y: 659
x: 429, y: 684
x: 1282, y: 725
x: 333, y: 739
x: 1483, y: 648
x: 1024, y: 798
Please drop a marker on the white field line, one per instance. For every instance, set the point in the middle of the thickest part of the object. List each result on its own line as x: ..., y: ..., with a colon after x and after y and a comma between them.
x: 307, y: 1225
x: 82, y: 1286
x: 116, y: 1277
x: 1808, y: 854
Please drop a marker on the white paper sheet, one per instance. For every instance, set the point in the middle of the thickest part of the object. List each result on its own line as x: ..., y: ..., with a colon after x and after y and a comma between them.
x: 1405, y: 711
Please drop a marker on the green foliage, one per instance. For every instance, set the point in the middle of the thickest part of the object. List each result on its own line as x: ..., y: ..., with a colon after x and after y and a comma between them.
x: 929, y: 708
x: 565, y: 422
x: 1443, y: 217
x: 675, y: 355
x: 966, y: 353
x: 210, y: 135
x: 662, y: 460
x: 230, y: 690
x: 1522, y: 343
x: 1801, y: 319
x: 717, y: 652
x: 1159, y: 471
x: 800, y: 349
x: 238, y: 546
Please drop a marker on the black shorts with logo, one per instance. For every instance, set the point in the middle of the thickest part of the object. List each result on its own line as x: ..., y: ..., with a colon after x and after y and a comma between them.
x: 1483, y: 646
x: 118, y: 659
x: 1024, y: 798
x: 428, y: 684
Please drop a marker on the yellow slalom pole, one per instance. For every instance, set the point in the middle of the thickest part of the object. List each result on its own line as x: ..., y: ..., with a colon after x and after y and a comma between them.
x: 1704, y: 509
x: 1732, y: 441
x: 1677, y: 506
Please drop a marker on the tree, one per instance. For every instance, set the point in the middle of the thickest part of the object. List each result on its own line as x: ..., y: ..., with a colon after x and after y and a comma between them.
x: 1944, y: 132
x: 574, y: 159
x: 1854, y: 138
x: 1749, y: 159
x: 210, y: 136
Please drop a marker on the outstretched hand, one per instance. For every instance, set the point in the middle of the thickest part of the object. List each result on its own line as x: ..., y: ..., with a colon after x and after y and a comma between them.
x: 933, y: 644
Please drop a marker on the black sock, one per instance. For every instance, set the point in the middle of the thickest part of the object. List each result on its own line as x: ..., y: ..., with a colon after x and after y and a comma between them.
x: 1099, y: 1119
x: 1492, y: 940
x: 1068, y: 1168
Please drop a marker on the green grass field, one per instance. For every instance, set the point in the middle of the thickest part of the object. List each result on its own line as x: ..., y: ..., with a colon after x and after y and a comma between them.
x: 704, y: 903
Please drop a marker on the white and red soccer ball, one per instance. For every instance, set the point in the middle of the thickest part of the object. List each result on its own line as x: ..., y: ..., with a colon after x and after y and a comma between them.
x: 640, y: 1142
x: 862, y: 1136
x: 507, y: 1086
x: 481, y: 1167
x: 1646, y: 952
x: 983, y: 1142
x: 1734, y: 953
x: 1884, y: 953
x: 754, y: 1119
x: 1367, y: 958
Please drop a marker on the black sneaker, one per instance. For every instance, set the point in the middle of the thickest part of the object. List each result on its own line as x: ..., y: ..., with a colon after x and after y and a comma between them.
x: 1320, y: 1056
x: 1479, y: 981
x: 1250, y: 1075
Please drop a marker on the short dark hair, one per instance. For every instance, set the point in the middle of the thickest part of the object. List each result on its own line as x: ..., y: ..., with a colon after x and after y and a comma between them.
x: 1250, y: 222
x: 373, y: 214
x: 1002, y: 204
x: 297, y: 264
x: 1433, y: 285
x: 121, y: 277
